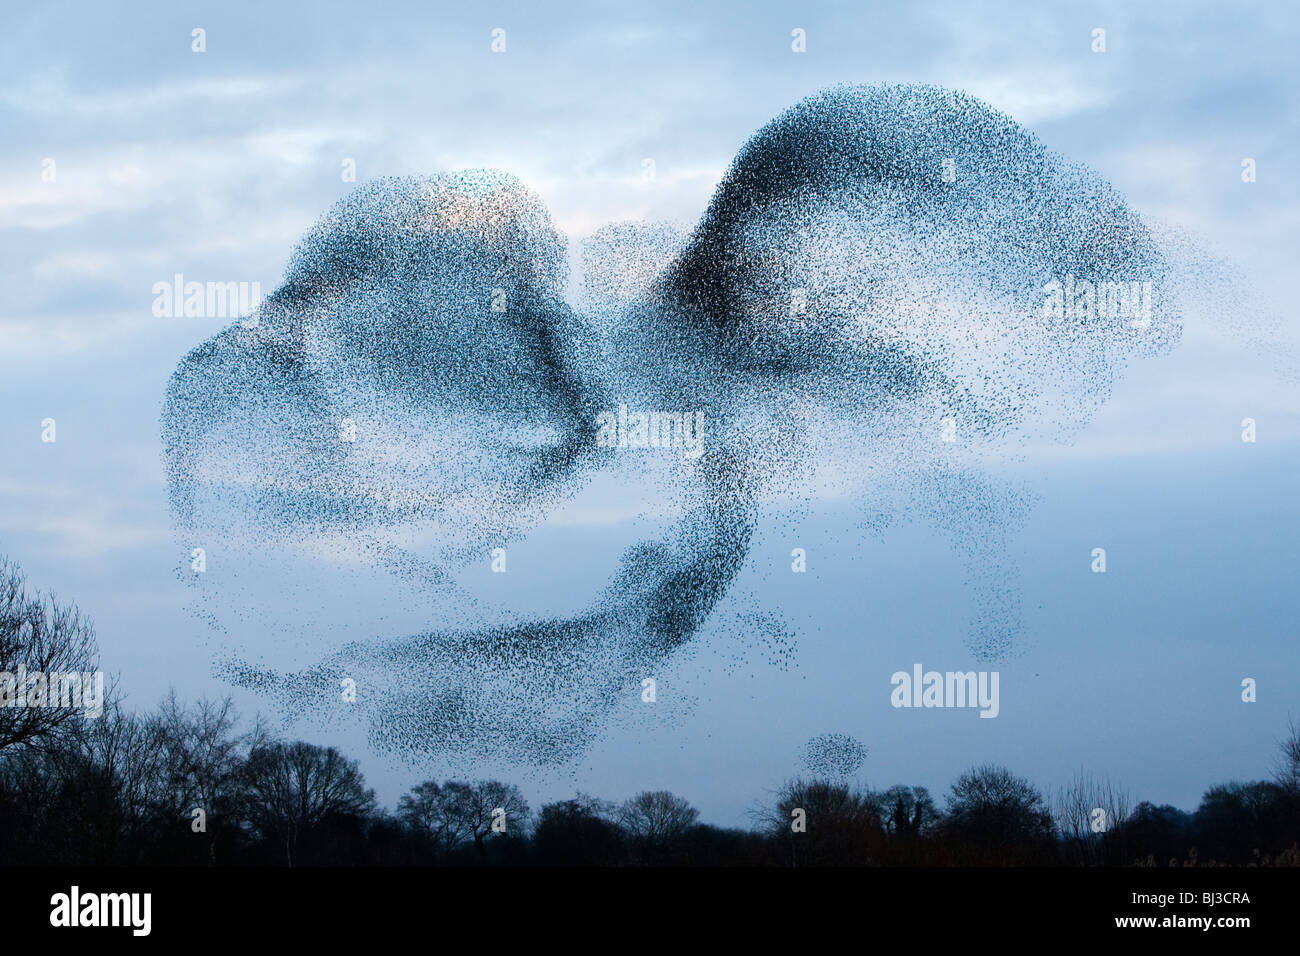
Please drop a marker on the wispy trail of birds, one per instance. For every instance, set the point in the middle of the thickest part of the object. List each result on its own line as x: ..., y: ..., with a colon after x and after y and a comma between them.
x: 860, y: 309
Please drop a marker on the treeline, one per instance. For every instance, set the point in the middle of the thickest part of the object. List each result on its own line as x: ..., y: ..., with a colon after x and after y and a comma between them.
x: 184, y: 784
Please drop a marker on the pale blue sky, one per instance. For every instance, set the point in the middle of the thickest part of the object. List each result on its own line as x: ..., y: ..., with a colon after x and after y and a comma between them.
x: 213, y: 165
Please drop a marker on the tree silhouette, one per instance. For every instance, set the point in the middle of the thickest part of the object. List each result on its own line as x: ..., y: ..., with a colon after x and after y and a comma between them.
x: 907, y: 811
x: 38, y: 635
x: 456, y: 815
x: 579, y: 832
x: 293, y: 791
x: 1157, y: 834
x: 1087, y: 834
x: 841, y: 824
x: 996, y: 817
x: 120, y: 790
x: 655, y: 822
x: 479, y: 805
x: 203, y: 760
x: 1287, y: 770
x: 427, y: 813
x: 1236, y: 820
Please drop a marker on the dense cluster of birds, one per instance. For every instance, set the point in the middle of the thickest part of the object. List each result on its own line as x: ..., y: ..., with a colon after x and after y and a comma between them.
x: 860, y: 310
x: 834, y: 756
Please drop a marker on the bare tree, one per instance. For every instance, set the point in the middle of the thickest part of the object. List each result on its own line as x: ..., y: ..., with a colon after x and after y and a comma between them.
x: 655, y: 819
x: 203, y: 760
x: 1287, y: 771
x: 998, y: 816
x: 458, y: 814
x: 825, y: 822
x: 1086, y: 810
x: 292, y: 789
x: 487, y: 803
x: 581, y: 831
x: 907, y: 811
x: 39, y: 636
x: 114, y: 772
x: 427, y: 811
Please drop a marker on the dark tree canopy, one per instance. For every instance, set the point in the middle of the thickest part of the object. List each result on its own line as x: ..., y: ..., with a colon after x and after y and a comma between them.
x: 1000, y: 816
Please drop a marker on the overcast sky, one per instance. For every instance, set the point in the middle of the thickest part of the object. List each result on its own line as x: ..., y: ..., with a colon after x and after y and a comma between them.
x: 212, y: 165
